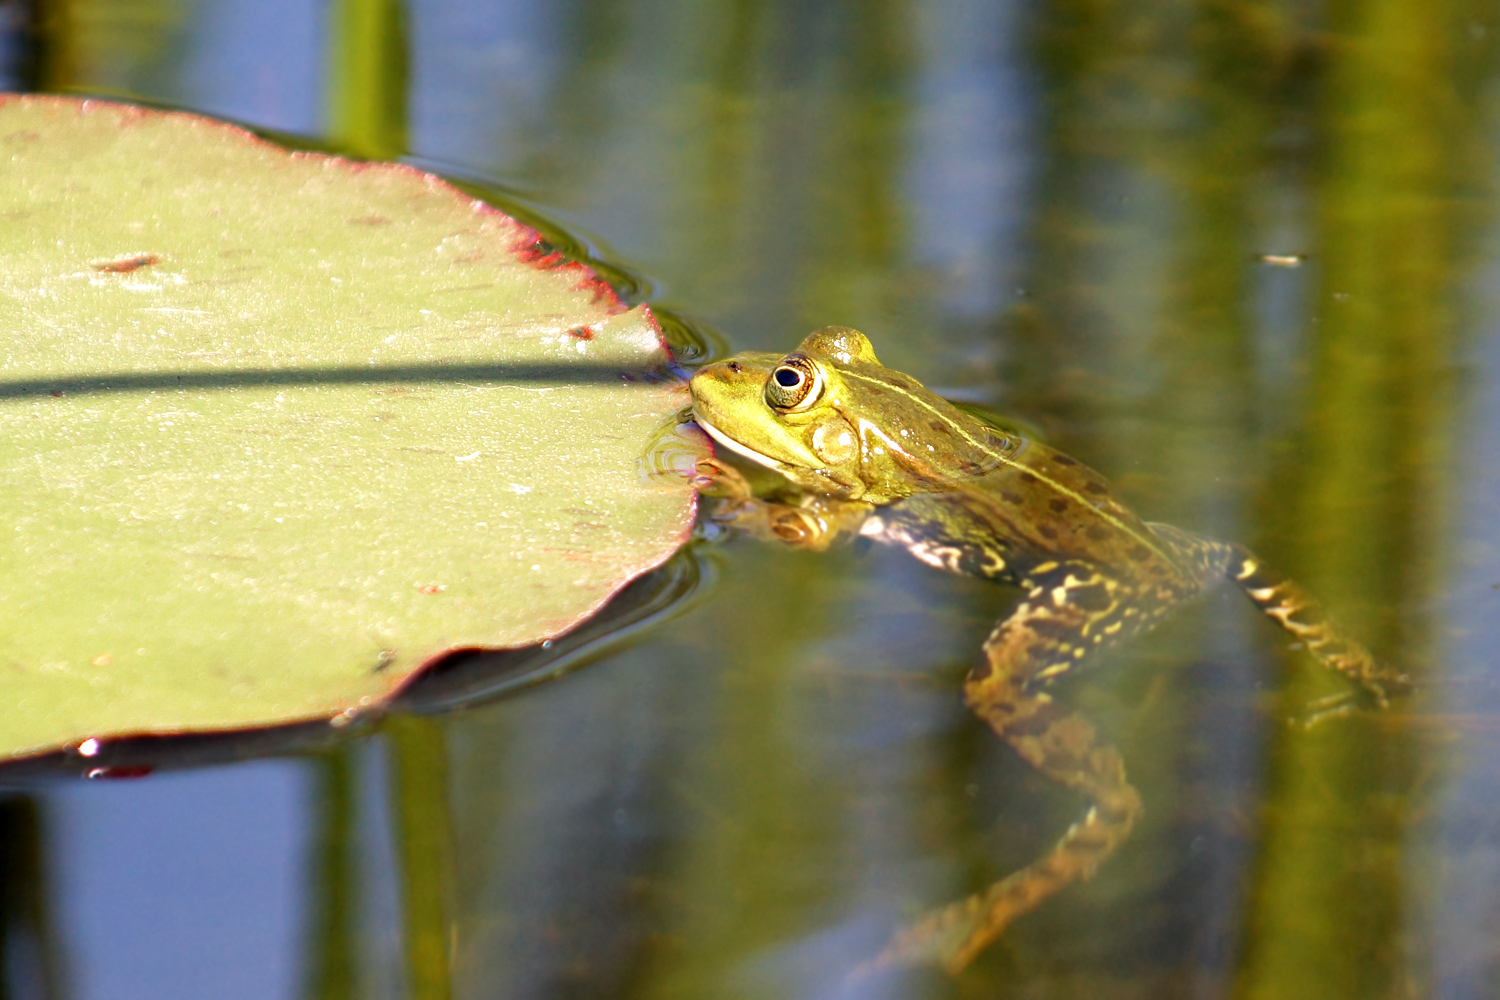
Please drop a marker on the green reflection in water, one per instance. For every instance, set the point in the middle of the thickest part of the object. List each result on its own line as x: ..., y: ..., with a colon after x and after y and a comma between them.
x: 333, y: 880
x: 424, y: 850
x: 30, y: 961
x: 124, y: 47
x: 1146, y: 236
x: 368, y: 77
x: 752, y: 876
x: 860, y: 230
x: 1362, y: 495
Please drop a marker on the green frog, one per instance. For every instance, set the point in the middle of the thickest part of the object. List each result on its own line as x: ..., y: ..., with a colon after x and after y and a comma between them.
x: 862, y: 450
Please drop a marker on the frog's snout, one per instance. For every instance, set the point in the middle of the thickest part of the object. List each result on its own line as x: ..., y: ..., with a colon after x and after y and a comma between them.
x: 718, y: 381
x: 719, y: 371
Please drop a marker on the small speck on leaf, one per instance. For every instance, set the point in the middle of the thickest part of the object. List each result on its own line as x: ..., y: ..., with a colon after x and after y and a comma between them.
x: 127, y: 264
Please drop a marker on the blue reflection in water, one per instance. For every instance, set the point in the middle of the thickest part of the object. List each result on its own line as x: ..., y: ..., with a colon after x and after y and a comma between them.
x: 261, y: 62
x: 12, y: 45
x: 1465, y: 910
x: 182, y: 885
x: 973, y: 153
x: 482, y: 78
x: 256, y: 61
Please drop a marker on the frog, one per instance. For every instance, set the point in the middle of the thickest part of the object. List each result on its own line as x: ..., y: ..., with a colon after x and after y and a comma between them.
x: 856, y: 450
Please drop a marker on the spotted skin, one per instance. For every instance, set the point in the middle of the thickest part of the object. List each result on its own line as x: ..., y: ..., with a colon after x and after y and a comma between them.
x: 868, y: 451
x: 1071, y: 608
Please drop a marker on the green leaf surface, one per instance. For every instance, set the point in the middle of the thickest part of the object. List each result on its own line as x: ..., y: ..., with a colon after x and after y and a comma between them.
x: 277, y: 429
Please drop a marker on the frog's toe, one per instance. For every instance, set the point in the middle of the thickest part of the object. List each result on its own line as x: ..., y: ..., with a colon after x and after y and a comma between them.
x: 939, y: 939
x: 1370, y: 695
x: 1320, y: 710
x: 1392, y: 685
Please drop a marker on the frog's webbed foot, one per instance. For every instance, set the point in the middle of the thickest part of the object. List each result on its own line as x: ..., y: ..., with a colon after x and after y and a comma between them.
x: 1320, y: 710
x: 1037, y: 641
x: 1375, y: 694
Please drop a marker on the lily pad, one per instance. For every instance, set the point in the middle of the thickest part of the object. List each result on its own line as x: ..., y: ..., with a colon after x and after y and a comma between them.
x: 277, y: 429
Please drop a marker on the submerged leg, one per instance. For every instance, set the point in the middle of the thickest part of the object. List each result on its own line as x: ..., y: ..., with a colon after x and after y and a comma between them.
x: 1297, y: 611
x: 1044, y: 635
x: 1292, y: 607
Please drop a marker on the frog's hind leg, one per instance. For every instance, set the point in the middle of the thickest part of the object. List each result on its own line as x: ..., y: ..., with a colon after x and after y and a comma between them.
x: 1291, y: 606
x: 1040, y: 639
x: 1297, y: 611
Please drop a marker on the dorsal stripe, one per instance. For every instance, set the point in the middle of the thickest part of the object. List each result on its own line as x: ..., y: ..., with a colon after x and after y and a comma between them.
x: 1000, y: 458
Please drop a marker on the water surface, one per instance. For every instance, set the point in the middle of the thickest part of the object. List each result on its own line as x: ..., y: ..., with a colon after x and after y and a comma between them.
x: 1242, y: 258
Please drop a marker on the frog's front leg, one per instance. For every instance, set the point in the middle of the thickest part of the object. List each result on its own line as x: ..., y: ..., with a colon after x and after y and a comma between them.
x: 814, y: 522
x: 1069, y: 610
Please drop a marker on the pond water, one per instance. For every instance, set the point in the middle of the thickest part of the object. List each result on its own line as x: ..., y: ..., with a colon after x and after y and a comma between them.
x: 1242, y: 258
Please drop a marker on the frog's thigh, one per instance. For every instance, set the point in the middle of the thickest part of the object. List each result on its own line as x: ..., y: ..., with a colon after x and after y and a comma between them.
x: 1028, y: 646
x: 1039, y: 637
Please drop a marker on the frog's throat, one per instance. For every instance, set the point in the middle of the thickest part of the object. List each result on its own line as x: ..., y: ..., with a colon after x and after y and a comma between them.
x: 739, y: 449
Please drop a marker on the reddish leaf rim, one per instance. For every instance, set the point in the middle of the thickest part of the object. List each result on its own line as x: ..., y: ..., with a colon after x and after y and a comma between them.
x: 529, y: 247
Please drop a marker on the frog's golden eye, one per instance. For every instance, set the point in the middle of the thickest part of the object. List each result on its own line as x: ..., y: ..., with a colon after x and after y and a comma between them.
x: 794, y: 384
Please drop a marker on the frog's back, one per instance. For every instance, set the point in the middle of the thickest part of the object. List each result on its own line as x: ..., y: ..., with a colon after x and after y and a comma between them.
x: 1061, y: 507
x: 1034, y: 506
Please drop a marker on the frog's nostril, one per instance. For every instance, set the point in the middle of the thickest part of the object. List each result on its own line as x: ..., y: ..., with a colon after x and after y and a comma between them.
x: 734, y: 366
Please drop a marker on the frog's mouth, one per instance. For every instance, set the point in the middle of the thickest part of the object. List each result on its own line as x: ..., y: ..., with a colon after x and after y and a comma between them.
x: 738, y: 448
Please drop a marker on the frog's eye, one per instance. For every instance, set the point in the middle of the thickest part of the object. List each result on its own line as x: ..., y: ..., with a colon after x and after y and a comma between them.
x: 794, y: 384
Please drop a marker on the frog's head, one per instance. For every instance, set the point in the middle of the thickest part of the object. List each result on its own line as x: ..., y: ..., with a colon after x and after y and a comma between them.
x: 832, y: 419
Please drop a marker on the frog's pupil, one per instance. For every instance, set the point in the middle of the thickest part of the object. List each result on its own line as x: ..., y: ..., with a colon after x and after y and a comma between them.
x: 788, y: 377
